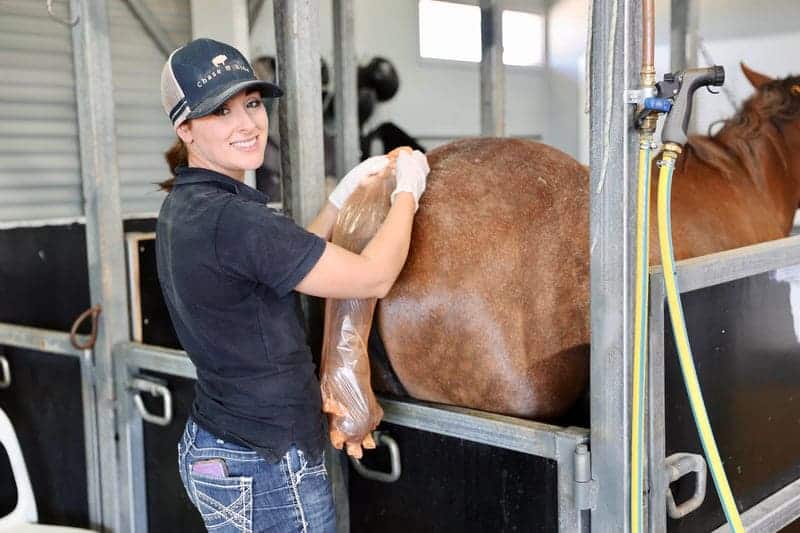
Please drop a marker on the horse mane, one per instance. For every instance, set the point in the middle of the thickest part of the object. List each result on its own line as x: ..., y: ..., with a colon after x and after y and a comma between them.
x: 762, y: 115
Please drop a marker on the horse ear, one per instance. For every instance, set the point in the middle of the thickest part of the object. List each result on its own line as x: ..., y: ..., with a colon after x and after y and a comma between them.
x: 756, y: 79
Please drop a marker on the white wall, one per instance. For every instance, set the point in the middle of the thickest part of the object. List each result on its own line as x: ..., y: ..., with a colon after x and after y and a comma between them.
x: 765, y: 35
x: 435, y: 97
x: 566, y: 47
x: 224, y: 21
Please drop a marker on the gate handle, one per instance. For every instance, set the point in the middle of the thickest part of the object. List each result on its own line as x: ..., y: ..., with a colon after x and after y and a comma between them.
x: 394, y: 455
x: 677, y: 466
x: 5, y: 373
x: 141, y: 385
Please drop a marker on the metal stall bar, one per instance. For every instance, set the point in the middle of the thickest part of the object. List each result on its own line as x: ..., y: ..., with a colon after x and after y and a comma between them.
x: 302, y: 153
x: 730, y: 265
x: 493, y: 81
x: 656, y: 438
x: 58, y: 343
x: 525, y: 436
x: 40, y: 340
x: 772, y: 513
x: 348, y: 149
x: 615, y: 59
x: 297, y: 29
x: 104, y: 237
x: 782, y: 507
x: 679, y: 23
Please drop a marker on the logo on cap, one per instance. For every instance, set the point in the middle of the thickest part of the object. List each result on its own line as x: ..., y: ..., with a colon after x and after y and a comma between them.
x: 219, y: 60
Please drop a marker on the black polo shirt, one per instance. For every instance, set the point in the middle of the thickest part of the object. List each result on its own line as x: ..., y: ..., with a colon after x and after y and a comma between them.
x: 228, y: 265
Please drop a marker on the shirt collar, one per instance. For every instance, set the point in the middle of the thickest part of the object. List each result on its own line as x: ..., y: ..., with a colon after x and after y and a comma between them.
x: 189, y: 175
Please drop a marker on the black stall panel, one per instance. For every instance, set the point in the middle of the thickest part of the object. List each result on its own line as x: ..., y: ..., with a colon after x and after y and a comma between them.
x: 747, y: 354
x: 44, y: 283
x: 453, y: 485
x: 45, y: 406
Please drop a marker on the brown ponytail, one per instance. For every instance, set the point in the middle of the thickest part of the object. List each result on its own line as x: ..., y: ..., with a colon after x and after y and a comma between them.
x: 176, y: 156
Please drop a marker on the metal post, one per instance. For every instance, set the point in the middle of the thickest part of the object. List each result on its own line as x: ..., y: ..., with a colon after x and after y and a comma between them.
x: 493, y: 82
x: 616, y: 54
x: 656, y: 413
x: 348, y: 149
x: 133, y: 500
x: 104, y: 242
x: 679, y: 22
x: 302, y: 154
x: 348, y: 154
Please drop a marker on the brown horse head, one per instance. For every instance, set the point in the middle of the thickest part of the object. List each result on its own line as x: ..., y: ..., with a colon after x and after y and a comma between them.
x: 775, y: 106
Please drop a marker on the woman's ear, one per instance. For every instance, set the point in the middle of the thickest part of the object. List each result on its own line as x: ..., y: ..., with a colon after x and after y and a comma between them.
x: 185, y: 133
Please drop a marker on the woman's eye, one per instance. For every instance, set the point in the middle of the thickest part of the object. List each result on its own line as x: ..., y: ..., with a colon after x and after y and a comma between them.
x: 221, y: 111
x: 254, y: 104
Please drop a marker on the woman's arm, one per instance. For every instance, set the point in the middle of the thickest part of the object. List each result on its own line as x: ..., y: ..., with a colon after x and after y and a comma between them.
x: 322, y: 226
x: 343, y: 274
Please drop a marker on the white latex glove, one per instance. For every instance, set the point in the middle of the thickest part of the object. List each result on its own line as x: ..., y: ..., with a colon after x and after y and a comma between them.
x: 412, y: 174
x: 350, y: 181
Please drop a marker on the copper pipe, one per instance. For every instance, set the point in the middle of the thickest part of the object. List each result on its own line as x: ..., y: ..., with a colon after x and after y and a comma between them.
x: 648, y: 74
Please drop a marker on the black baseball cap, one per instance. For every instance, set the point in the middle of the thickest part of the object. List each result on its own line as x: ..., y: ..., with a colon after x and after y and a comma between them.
x: 201, y: 76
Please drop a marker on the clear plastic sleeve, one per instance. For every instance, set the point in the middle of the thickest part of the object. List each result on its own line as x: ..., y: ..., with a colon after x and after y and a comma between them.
x: 347, y: 396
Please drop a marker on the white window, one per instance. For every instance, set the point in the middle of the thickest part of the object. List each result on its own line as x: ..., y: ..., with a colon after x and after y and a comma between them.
x: 450, y: 30
x: 523, y: 38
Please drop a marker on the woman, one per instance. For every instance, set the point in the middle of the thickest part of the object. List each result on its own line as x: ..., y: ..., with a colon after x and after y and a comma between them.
x: 251, y: 457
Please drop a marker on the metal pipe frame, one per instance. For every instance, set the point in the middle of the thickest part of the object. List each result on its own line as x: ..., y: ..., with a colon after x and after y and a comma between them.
x: 348, y: 154
x: 104, y: 236
x: 493, y: 80
x: 525, y: 436
x: 615, y: 64
x: 348, y: 145
x: 679, y: 23
x: 58, y: 343
x: 782, y: 507
x: 302, y: 152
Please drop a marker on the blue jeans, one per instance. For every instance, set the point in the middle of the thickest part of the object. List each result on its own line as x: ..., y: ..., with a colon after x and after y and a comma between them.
x: 236, y: 490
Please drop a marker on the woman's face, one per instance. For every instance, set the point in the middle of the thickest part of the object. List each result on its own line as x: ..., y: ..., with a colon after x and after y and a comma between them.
x: 230, y: 140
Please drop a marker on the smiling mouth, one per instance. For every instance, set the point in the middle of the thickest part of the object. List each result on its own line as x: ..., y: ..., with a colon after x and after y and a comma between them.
x: 249, y: 143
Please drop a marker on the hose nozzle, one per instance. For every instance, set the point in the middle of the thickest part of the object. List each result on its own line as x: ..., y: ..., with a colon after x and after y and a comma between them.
x: 680, y: 86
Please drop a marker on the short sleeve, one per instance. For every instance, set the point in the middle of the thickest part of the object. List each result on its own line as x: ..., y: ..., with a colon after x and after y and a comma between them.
x: 254, y: 242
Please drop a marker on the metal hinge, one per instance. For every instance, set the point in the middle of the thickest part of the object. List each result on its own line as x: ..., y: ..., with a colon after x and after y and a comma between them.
x: 585, y: 486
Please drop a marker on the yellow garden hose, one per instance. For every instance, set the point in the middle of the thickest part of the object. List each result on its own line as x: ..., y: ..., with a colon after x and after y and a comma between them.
x: 640, y: 334
x: 671, y: 152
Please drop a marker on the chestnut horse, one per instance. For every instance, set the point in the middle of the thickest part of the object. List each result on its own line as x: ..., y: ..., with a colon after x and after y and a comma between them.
x: 491, y: 310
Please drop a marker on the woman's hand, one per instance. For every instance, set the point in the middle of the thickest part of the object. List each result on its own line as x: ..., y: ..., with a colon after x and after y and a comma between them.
x: 412, y: 174
x: 350, y: 181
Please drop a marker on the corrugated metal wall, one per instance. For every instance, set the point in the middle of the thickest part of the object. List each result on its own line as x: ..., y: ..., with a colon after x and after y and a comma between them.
x: 143, y: 131
x: 39, y: 154
x: 39, y: 163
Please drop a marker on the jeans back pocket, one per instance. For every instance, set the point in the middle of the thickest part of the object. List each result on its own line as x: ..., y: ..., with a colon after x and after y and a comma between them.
x: 225, y: 503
